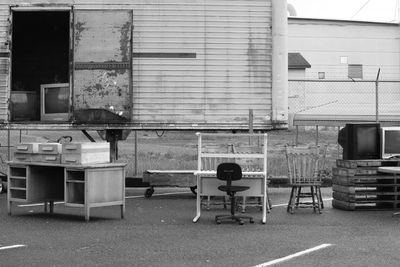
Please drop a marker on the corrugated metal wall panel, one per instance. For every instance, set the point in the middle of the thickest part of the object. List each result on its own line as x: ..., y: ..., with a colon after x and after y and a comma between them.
x: 4, y: 63
x: 229, y: 74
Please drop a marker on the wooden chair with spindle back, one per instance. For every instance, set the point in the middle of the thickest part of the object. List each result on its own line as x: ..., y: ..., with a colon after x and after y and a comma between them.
x: 304, y: 164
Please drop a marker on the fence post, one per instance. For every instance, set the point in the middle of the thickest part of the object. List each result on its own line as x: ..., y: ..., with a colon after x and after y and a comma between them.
x: 136, y: 154
x: 377, y: 102
x: 377, y: 96
x: 8, y: 143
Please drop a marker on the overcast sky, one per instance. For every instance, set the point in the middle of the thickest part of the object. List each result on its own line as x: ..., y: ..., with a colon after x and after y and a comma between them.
x: 367, y: 10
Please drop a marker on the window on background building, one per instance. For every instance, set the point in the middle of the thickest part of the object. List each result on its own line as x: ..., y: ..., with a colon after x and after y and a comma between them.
x: 355, y: 71
x: 343, y: 60
x: 321, y: 75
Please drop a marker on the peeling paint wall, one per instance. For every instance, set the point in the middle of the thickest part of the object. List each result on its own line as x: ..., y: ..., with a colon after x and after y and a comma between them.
x: 102, y: 52
x: 197, y: 62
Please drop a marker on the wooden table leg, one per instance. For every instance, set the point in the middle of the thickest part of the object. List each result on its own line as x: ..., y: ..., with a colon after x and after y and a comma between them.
x: 51, y: 207
x: 87, y: 212
x: 9, y: 207
x: 122, y: 211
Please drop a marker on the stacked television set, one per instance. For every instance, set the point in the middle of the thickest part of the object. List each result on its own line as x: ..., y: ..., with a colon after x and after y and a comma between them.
x: 365, y: 141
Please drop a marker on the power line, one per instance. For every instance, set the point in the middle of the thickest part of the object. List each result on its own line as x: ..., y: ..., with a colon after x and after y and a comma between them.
x: 361, y: 8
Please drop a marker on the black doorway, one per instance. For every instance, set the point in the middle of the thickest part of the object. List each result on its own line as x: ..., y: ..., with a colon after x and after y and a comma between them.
x: 40, y: 51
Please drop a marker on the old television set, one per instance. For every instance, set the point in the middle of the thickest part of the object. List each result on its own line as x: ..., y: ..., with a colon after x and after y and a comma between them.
x: 360, y: 141
x: 54, y: 102
x: 390, y: 142
x: 23, y: 106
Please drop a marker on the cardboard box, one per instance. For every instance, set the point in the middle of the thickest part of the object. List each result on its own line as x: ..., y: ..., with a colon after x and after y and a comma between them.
x: 85, y: 153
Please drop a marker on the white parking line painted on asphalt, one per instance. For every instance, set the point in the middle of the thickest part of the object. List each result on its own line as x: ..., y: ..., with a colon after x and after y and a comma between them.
x: 298, y: 254
x: 13, y: 246
x: 161, y: 194
x: 285, y: 204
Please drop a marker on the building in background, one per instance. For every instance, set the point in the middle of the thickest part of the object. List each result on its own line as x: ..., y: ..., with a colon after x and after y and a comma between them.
x: 343, y: 49
x: 345, y: 58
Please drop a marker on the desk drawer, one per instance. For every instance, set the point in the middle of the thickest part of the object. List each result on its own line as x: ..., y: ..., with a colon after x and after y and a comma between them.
x: 85, y: 153
x: 88, y: 147
x: 85, y: 158
x: 50, y: 148
x: 50, y: 158
x: 28, y: 148
x: 25, y: 157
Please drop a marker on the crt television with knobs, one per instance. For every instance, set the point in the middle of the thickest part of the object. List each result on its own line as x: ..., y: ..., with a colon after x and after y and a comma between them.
x: 360, y: 141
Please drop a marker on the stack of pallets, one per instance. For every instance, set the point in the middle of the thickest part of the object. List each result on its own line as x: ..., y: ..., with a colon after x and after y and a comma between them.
x: 357, y: 185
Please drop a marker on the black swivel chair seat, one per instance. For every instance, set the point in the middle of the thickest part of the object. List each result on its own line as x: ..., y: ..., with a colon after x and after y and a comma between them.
x: 231, y: 172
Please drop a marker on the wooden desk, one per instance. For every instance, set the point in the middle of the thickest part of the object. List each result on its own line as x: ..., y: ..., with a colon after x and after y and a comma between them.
x: 84, y: 186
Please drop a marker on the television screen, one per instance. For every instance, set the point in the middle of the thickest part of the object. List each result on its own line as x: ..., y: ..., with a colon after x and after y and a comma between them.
x: 366, y: 140
x: 360, y: 141
x: 54, y: 102
x: 390, y: 142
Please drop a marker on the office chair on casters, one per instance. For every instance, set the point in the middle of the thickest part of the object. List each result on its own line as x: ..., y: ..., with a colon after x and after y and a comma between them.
x: 231, y: 172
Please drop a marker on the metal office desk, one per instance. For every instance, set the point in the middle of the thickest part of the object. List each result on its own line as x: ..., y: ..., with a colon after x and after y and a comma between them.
x: 82, y: 186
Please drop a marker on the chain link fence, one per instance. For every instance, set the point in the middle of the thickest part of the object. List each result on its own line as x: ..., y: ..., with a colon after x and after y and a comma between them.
x: 9, y: 139
x: 345, y: 97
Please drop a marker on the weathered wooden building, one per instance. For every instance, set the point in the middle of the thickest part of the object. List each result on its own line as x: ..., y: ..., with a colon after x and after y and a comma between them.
x: 143, y: 64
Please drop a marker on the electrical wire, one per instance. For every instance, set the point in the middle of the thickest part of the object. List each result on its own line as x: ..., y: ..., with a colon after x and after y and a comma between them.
x: 361, y: 8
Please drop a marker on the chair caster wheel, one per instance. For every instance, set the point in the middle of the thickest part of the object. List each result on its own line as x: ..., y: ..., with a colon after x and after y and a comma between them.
x: 252, y: 221
x: 241, y: 222
x: 218, y: 221
x: 149, y: 192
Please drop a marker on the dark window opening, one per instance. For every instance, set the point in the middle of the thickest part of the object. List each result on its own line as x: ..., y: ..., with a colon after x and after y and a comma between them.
x: 355, y: 71
x: 40, y: 55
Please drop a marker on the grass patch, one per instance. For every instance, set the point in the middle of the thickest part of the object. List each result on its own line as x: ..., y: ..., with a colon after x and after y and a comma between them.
x: 177, y: 150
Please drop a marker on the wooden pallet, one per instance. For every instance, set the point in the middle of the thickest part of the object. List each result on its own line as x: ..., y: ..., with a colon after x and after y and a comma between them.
x: 357, y: 185
x: 367, y: 197
x: 354, y: 164
x: 365, y: 181
x: 354, y: 206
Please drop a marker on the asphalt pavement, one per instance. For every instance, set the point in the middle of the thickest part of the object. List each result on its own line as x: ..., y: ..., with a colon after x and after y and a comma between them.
x: 159, y: 231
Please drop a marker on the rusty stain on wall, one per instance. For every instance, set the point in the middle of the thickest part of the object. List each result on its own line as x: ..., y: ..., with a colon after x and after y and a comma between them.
x: 125, y: 41
x: 79, y: 28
